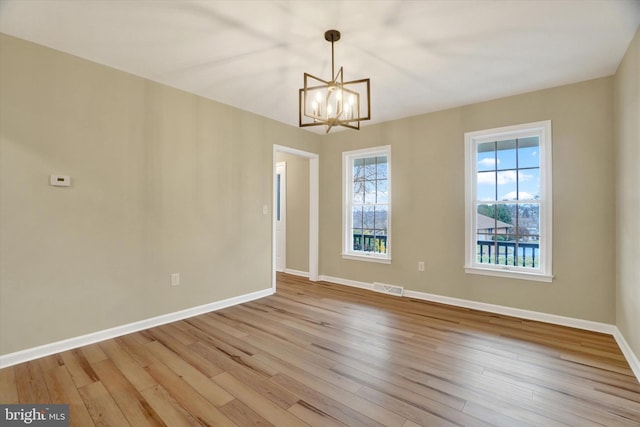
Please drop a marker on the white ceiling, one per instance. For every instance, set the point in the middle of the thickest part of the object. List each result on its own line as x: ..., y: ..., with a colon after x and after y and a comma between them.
x: 421, y: 56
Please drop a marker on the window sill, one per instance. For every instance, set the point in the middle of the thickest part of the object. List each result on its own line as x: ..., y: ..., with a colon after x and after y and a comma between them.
x: 505, y: 272
x: 368, y: 258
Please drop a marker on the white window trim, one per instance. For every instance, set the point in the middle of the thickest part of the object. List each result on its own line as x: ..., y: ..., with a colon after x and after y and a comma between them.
x: 347, y: 190
x: 543, y: 130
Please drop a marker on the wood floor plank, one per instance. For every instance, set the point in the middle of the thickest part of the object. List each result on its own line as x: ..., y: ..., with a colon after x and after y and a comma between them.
x: 93, y: 353
x: 543, y: 383
x: 168, y: 409
x: 177, y: 333
x: 196, y: 379
x: 134, y: 373
x: 63, y: 390
x: 308, y: 329
x: 373, y: 377
x: 8, y: 387
x: 317, y: 353
x: 213, y: 320
x: 136, y: 349
x: 419, y: 415
x: 287, y: 349
x: 485, y: 399
x: 572, y: 411
x: 250, y: 322
x: 243, y: 415
x: 80, y: 369
x: 314, y: 416
x: 469, y: 387
x: 279, y: 395
x: 596, y: 362
x: 51, y: 362
x: 309, y: 371
x: 494, y: 417
x: 30, y: 383
x: 238, y: 351
x: 103, y: 409
x: 132, y: 404
x: 320, y: 382
x: 326, y: 404
x: 621, y: 392
x: 422, y: 396
x: 190, y: 356
x: 187, y: 396
x: 260, y: 404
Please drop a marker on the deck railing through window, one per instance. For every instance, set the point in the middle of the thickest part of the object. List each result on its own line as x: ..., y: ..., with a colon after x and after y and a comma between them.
x: 369, y: 243
x: 520, y: 254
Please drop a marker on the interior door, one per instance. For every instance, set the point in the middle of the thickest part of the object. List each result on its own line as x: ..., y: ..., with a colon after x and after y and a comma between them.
x: 281, y: 215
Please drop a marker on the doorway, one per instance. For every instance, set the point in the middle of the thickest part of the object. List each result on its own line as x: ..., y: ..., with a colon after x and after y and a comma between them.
x: 279, y: 255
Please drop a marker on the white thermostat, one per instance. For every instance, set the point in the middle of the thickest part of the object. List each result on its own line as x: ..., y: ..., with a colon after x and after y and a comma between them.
x: 60, y: 180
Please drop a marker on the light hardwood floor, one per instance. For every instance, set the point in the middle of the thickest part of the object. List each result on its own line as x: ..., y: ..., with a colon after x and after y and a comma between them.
x: 327, y: 355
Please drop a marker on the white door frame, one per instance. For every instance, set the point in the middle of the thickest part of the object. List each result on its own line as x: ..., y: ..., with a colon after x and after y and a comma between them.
x: 314, y: 208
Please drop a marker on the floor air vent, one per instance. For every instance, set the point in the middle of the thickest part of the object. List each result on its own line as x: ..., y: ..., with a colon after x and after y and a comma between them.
x: 388, y: 289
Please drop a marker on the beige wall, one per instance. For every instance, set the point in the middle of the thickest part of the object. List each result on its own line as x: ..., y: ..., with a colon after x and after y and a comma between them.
x: 297, y: 216
x: 627, y: 131
x: 428, y: 202
x: 162, y: 181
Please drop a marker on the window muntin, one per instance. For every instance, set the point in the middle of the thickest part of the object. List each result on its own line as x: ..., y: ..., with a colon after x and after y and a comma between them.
x: 508, y: 201
x: 367, y: 204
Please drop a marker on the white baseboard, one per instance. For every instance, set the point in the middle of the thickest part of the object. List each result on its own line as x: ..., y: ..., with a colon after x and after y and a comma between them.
x: 297, y: 272
x: 571, y: 322
x: 631, y: 357
x: 346, y: 282
x: 587, y: 325
x: 10, y: 359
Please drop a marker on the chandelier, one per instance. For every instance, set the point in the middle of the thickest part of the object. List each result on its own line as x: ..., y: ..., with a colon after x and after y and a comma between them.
x: 334, y: 102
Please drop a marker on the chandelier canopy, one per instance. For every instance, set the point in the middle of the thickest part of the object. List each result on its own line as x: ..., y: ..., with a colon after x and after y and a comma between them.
x: 334, y: 102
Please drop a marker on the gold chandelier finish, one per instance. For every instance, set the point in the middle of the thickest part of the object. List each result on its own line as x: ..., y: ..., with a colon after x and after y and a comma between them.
x: 334, y: 102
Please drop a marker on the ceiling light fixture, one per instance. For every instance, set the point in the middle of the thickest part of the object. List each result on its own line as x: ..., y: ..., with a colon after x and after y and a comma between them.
x: 335, y: 102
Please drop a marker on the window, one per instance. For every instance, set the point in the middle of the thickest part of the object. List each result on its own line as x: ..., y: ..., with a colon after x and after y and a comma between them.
x: 508, y: 201
x: 367, y: 204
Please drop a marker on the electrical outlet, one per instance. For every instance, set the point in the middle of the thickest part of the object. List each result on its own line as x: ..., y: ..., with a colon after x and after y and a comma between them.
x: 420, y: 265
x: 175, y: 279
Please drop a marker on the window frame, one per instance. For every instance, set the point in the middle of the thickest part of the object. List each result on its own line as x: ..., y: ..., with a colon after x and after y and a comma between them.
x: 348, y: 158
x: 542, y: 129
